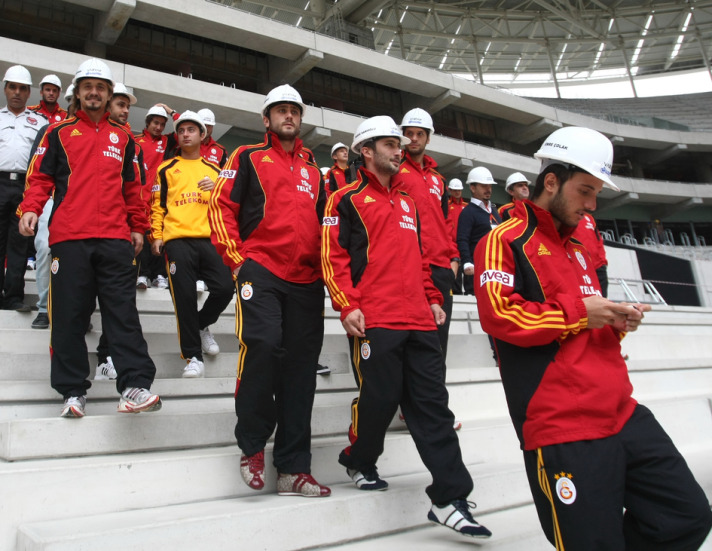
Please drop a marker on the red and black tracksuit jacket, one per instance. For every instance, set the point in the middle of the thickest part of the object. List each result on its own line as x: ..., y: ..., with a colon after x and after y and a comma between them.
x: 427, y: 188
x: 587, y: 232
x: 335, y: 179
x: 213, y: 152
x: 58, y: 115
x: 371, y: 251
x: 267, y: 205
x: 505, y: 211
x: 563, y: 381
x: 455, y: 207
x: 93, y: 170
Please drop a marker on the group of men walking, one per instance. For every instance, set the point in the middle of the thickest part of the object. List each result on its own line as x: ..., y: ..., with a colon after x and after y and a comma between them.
x: 602, y: 472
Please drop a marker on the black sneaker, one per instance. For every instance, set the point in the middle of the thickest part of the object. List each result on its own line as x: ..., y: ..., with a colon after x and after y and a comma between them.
x: 323, y: 369
x: 456, y: 515
x: 41, y: 321
x: 367, y: 479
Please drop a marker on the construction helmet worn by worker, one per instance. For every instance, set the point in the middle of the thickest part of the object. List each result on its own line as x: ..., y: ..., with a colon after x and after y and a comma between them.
x: 157, y: 111
x: 208, y: 116
x: 51, y: 79
x: 337, y: 146
x: 282, y: 94
x: 381, y: 126
x: 581, y: 147
x: 17, y: 73
x: 418, y: 117
x: 93, y: 68
x: 191, y: 116
x: 121, y: 90
x: 480, y: 175
x: 455, y: 184
x: 515, y: 178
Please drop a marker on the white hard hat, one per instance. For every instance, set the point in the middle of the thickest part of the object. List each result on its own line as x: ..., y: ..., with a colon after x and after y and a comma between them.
x: 584, y: 148
x: 324, y: 170
x: 283, y: 94
x: 338, y: 146
x: 93, y: 68
x: 17, y: 73
x: 158, y: 111
x: 376, y: 127
x: 208, y: 116
x: 418, y: 117
x: 480, y: 175
x: 51, y: 79
x: 455, y: 184
x: 515, y: 178
x: 121, y: 90
x: 69, y: 93
x: 191, y: 116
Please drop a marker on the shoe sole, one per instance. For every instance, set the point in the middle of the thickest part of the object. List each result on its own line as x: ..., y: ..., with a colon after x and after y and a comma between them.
x: 104, y: 378
x: 149, y: 405
x: 72, y: 413
x: 192, y: 375
x: 298, y: 494
x: 475, y: 536
x: 40, y: 326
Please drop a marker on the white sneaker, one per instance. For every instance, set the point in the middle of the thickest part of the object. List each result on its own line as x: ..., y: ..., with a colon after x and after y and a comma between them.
x: 160, y: 282
x: 194, y: 369
x: 74, y: 407
x: 142, y: 282
x: 136, y: 400
x: 105, y: 371
x: 200, y: 286
x: 207, y: 342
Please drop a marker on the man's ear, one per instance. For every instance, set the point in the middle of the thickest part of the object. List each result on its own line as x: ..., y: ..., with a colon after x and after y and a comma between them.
x: 551, y: 183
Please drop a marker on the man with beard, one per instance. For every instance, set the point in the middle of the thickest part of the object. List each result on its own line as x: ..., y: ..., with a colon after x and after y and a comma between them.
x: 602, y: 471
x: 476, y: 220
x: 517, y: 186
x: 380, y: 281
x: 50, y: 88
x: 265, y: 214
x: 96, y: 229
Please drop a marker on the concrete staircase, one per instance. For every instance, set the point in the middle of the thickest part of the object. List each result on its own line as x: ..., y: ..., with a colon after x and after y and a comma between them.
x: 170, y: 480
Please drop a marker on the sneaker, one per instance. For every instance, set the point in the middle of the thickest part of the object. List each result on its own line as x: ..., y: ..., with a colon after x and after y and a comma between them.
x: 252, y: 469
x: 41, y: 321
x: 74, y: 407
x: 31, y: 263
x: 457, y: 425
x: 200, y: 286
x: 142, y: 282
x: 207, y: 342
x: 105, y: 371
x: 323, y: 369
x: 301, y: 484
x: 136, y: 400
x: 160, y: 282
x: 194, y: 369
x: 456, y: 515
x: 367, y: 479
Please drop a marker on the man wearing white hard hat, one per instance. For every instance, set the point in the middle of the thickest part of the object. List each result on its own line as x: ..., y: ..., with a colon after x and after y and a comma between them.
x: 475, y: 221
x: 211, y: 150
x: 379, y: 281
x: 265, y: 214
x: 89, y: 163
x: 421, y: 180
x: 336, y: 177
x: 456, y: 204
x: 602, y: 471
x: 517, y: 186
x: 18, y: 129
x: 50, y: 89
x: 180, y: 230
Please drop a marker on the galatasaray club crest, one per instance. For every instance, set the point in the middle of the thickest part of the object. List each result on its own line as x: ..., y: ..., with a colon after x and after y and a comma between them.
x: 365, y: 350
x: 581, y: 259
x: 565, y: 489
x: 405, y: 206
x: 246, y: 291
x: 172, y: 268
x: 113, y: 137
x: 305, y: 173
x: 55, y: 265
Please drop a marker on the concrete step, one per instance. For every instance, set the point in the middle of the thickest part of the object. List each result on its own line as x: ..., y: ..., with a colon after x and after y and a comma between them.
x: 266, y: 521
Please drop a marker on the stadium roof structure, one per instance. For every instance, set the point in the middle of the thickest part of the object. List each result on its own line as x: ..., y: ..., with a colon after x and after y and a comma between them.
x: 564, y: 39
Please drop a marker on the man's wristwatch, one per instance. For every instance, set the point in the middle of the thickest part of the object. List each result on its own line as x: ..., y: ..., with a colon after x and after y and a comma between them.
x: 455, y: 259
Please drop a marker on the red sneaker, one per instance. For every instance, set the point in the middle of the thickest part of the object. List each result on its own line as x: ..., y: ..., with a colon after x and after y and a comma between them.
x: 301, y: 484
x: 252, y: 469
